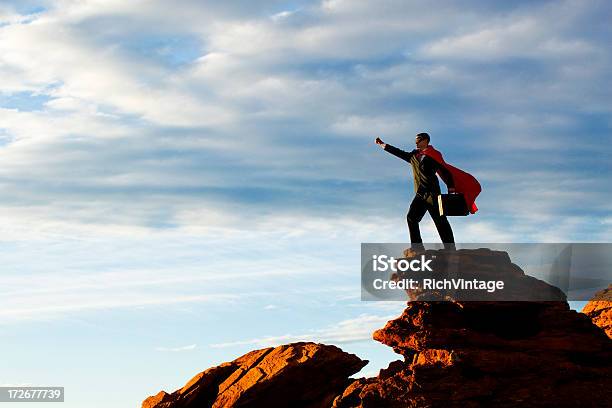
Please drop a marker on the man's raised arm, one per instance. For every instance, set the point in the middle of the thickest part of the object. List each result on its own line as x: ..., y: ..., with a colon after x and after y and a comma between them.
x: 394, y: 150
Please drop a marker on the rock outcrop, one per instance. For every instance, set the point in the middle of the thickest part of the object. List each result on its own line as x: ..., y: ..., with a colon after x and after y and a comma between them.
x: 599, y: 309
x: 305, y: 375
x: 461, y: 353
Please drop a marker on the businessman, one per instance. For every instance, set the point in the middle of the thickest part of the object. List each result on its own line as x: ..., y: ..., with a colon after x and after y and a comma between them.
x: 426, y: 187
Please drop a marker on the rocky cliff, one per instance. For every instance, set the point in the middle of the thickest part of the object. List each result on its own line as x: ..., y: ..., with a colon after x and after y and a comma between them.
x: 465, y: 353
x: 455, y: 353
x: 303, y: 375
x: 599, y: 309
x: 489, y: 354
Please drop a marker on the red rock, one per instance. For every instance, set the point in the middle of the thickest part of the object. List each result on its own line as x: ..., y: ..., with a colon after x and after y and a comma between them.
x: 463, y: 353
x: 455, y: 353
x: 297, y: 374
x: 599, y: 309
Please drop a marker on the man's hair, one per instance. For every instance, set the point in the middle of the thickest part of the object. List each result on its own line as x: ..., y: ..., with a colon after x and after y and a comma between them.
x: 423, y: 136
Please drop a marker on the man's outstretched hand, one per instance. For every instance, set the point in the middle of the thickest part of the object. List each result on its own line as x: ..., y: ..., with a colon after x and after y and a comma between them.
x: 380, y: 142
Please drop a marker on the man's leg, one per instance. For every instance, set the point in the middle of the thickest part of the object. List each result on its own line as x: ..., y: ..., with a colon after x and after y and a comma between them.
x: 415, y: 214
x: 442, y: 225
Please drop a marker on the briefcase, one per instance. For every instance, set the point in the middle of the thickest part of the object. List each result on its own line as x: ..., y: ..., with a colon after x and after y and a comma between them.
x: 452, y: 204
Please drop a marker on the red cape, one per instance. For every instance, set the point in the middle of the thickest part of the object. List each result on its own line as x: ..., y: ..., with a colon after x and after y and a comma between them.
x: 464, y: 182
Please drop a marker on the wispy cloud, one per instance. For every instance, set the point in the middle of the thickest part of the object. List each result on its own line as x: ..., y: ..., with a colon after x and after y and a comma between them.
x: 219, y: 156
x: 345, y: 331
x: 258, y: 86
x: 230, y: 122
x: 177, y: 349
x: 73, y: 303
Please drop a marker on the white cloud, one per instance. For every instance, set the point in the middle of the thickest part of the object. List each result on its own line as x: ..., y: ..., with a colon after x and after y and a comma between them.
x: 51, y: 52
x: 513, y: 40
x: 282, y: 15
x: 177, y: 349
x: 387, y: 125
x: 269, y: 104
x: 19, y: 310
x: 14, y: 384
x: 345, y: 331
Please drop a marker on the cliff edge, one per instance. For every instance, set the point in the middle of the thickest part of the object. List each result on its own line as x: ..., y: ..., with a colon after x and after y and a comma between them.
x: 454, y: 353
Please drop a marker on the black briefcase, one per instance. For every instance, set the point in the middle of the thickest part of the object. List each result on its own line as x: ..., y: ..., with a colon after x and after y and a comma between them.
x: 452, y: 204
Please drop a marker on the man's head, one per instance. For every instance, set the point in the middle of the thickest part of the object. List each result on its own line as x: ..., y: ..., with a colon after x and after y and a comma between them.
x: 422, y: 141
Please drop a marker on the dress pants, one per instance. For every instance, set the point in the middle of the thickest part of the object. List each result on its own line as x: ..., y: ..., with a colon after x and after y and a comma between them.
x: 417, y: 210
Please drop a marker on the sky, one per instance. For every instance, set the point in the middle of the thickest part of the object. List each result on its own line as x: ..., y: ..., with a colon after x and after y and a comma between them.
x: 183, y: 182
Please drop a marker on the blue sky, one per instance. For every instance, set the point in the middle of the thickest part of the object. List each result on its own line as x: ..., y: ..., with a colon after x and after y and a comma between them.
x: 183, y: 184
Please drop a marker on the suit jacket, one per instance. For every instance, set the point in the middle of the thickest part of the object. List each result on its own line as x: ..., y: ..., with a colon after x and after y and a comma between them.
x: 426, y: 184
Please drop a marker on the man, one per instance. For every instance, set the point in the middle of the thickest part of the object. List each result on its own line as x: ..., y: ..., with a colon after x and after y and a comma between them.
x: 426, y: 186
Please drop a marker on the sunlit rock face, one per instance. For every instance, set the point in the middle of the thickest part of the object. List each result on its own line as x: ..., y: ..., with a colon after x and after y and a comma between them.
x: 464, y: 353
x: 304, y: 374
x: 455, y: 352
x: 599, y: 309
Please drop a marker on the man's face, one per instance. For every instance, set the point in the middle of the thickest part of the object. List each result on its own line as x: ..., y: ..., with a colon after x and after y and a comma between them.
x: 421, y: 143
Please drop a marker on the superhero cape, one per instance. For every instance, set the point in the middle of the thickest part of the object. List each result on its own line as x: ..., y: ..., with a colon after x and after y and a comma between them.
x: 464, y: 182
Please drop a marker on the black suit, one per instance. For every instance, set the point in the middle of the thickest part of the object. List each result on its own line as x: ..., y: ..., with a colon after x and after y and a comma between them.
x: 427, y: 189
